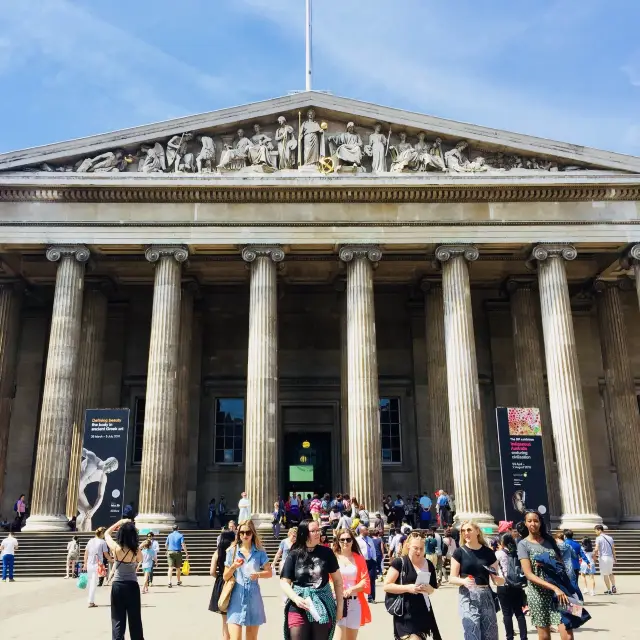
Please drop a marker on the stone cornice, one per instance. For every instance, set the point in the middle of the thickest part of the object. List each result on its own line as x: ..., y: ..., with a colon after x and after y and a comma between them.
x: 59, y: 251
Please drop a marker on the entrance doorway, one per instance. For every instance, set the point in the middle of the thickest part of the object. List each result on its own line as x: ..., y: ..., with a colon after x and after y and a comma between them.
x: 307, y: 462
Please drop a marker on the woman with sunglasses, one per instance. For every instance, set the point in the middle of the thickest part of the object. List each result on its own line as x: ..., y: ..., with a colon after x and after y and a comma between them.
x: 247, y: 561
x: 311, y: 612
x: 473, y: 564
x: 544, y: 613
x: 355, y: 583
x: 417, y: 620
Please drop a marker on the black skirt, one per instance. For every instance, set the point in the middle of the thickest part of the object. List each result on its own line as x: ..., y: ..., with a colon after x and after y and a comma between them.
x: 215, y: 595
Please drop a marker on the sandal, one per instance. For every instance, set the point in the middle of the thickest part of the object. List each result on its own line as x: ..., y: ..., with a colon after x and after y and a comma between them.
x: 170, y: 585
x: 179, y: 584
x: 92, y: 605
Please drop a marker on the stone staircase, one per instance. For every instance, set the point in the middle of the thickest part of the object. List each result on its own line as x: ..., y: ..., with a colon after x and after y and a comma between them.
x: 44, y: 554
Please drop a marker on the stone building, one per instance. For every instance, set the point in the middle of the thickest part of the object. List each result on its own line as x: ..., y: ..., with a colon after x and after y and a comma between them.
x: 316, y: 295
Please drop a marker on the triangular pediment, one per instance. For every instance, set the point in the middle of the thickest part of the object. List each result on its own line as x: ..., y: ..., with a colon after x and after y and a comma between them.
x: 209, y: 143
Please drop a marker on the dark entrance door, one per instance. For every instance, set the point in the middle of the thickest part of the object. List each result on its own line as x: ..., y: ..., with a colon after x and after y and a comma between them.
x: 307, y: 462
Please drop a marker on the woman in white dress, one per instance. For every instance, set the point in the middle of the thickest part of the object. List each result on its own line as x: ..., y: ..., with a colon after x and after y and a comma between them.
x: 355, y: 582
x: 244, y: 508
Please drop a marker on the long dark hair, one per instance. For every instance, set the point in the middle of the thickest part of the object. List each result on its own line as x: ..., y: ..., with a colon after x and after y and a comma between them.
x: 587, y: 545
x: 507, y: 541
x: 127, y: 537
x: 299, y: 547
x: 226, y: 540
x: 544, y: 532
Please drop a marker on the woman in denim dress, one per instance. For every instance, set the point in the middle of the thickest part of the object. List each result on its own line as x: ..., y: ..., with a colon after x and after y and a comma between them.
x: 247, y: 561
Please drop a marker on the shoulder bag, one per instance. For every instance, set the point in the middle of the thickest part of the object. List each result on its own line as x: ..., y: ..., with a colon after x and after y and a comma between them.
x: 227, y: 588
x: 394, y: 602
x: 494, y: 595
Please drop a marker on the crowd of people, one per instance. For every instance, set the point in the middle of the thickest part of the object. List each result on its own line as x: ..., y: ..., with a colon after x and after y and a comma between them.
x: 328, y: 569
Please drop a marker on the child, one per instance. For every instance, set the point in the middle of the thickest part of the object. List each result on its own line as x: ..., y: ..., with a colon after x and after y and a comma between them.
x: 148, y: 560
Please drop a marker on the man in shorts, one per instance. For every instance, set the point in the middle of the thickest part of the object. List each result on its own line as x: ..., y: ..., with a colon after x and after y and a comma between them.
x: 605, y: 555
x: 175, y: 546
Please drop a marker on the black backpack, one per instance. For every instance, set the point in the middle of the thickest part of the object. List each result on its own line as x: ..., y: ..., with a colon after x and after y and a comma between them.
x: 515, y: 575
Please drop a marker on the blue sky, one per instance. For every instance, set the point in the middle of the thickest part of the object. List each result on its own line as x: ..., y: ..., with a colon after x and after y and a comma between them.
x: 562, y: 69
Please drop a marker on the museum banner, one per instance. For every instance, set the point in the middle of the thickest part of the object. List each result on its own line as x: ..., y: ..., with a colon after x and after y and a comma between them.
x: 103, y: 467
x: 524, y: 483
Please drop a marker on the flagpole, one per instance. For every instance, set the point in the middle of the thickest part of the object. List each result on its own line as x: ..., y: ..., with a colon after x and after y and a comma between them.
x: 308, y: 60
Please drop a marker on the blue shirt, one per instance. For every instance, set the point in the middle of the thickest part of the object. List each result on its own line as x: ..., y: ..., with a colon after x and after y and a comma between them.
x: 579, y: 553
x: 174, y: 541
x: 425, y: 502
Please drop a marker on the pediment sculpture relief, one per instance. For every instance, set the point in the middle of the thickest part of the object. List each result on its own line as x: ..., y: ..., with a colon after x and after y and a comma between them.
x: 312, y: 149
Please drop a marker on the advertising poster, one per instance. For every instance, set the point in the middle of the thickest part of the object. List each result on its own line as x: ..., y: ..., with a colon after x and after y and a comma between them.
x: 103, y: 466
x: 524, y: 483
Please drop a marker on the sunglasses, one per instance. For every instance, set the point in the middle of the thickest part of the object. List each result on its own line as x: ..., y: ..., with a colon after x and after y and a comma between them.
x: 345, y: 539
x: 245, y: 533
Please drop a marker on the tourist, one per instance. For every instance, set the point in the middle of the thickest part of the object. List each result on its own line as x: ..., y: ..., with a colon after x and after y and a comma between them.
x: 285, y: 548
x: 425, y: 511
x: 568, y: 555
x: 244, y: 508
x: 174, y: 546
x: 305, y: 581
x: 217, y: 570
x: 231, y: 526
x: 334, y: 517
x: 8, y: 555
x: 345, y: 522
x: 417, y: 619
x: 588, y: 567
x: 368, y: 551
x: 396, y: 540
x: 315, y: 507
x: 378, y: 523
x: 248, y: 562
x: 363, y: 515
x: 450, y: 545
x: 578, y: 555
x: 442, y: 505
x: 73, y: 553
x: 276, y: 521
x: 387, y: 508
x: 605, y: 555
x: 95, y: 553
x: 398, y: 511
x: 378, y: 543
x: 125, y: 591
x: 433, y: 551
x: 472, y: 565
x: 156, y: 549
x: 212, y: 513
x: 149, y: 560
x: 544, y: 612
x: 356, y: 583
x: 511, y: 595
x: 20, y: 507
x: 222, y: 511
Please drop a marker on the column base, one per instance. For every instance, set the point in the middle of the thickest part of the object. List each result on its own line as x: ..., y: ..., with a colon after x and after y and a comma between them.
x: 46, y: 523
x: 483, y: 520
x: 579, y: 520
x: 630, y: 522
x: 155, y: 521
x: 262, y: 521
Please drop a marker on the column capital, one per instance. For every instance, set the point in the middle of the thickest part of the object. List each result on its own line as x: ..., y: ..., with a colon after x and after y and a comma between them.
x: 513, y: 284
x: 544, y: 251
x: 447, y: 251
x: 253, y: 251
x: 630, y: 257
x: 349, y: 252
x: 154, y: 252
x: 624, y: 284
x: 77, y: 251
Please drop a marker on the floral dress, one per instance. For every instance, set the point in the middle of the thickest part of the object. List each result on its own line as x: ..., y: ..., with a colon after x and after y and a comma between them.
x: 540, y: 600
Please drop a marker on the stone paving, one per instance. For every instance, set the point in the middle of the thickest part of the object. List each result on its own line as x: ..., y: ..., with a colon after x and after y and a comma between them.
x: 54, y: 609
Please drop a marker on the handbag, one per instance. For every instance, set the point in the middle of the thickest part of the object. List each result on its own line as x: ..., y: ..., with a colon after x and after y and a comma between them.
x: 225, y: 594
x: 394, y: 602
x: 102, y: 571
x: 186, y: 568
x: 82, y: 581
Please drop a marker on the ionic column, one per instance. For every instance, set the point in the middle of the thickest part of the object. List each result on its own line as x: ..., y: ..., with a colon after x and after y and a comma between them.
x: 161, y: 408
x: 438, y: 408
x: 49, y: 493
x: 262, y: 429
x: 577, y: 491
x: 10, y: 306
x: 622, y: 396
x: 530, y: 374
x: 181, y: 467
x: 344, y: 390
x: 467, y: 440
x: 365, y: 451
x: 632, y: 260
x: 89, y: 379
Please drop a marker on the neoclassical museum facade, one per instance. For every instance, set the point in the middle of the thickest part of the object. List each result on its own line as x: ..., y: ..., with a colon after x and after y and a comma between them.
x: 317, y: 293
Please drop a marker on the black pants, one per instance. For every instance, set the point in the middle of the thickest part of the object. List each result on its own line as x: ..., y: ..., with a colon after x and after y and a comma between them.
x: 125, y: 603
x: 512, y: 600
x: 372, y: 568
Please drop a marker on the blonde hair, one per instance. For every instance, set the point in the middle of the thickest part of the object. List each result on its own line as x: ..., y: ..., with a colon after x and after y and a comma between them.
x: 412, y: 536
x: 477, y: 529
x: 255, y: 538
x: 292, y: 530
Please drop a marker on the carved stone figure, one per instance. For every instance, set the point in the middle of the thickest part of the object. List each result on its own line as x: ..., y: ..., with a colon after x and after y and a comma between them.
x: 178, y: 159
x: 349, y: 146
x: 287, y: 144
x: 111, y: 161
x: 260, y: 150
x: 154, y: 160
x: 235, y: 156
x: 403, y: 155
x: 437, y: 155
x: 377, y: 149
x: 426, y: 161
x: 313, y: 139
x: 204, y: 160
